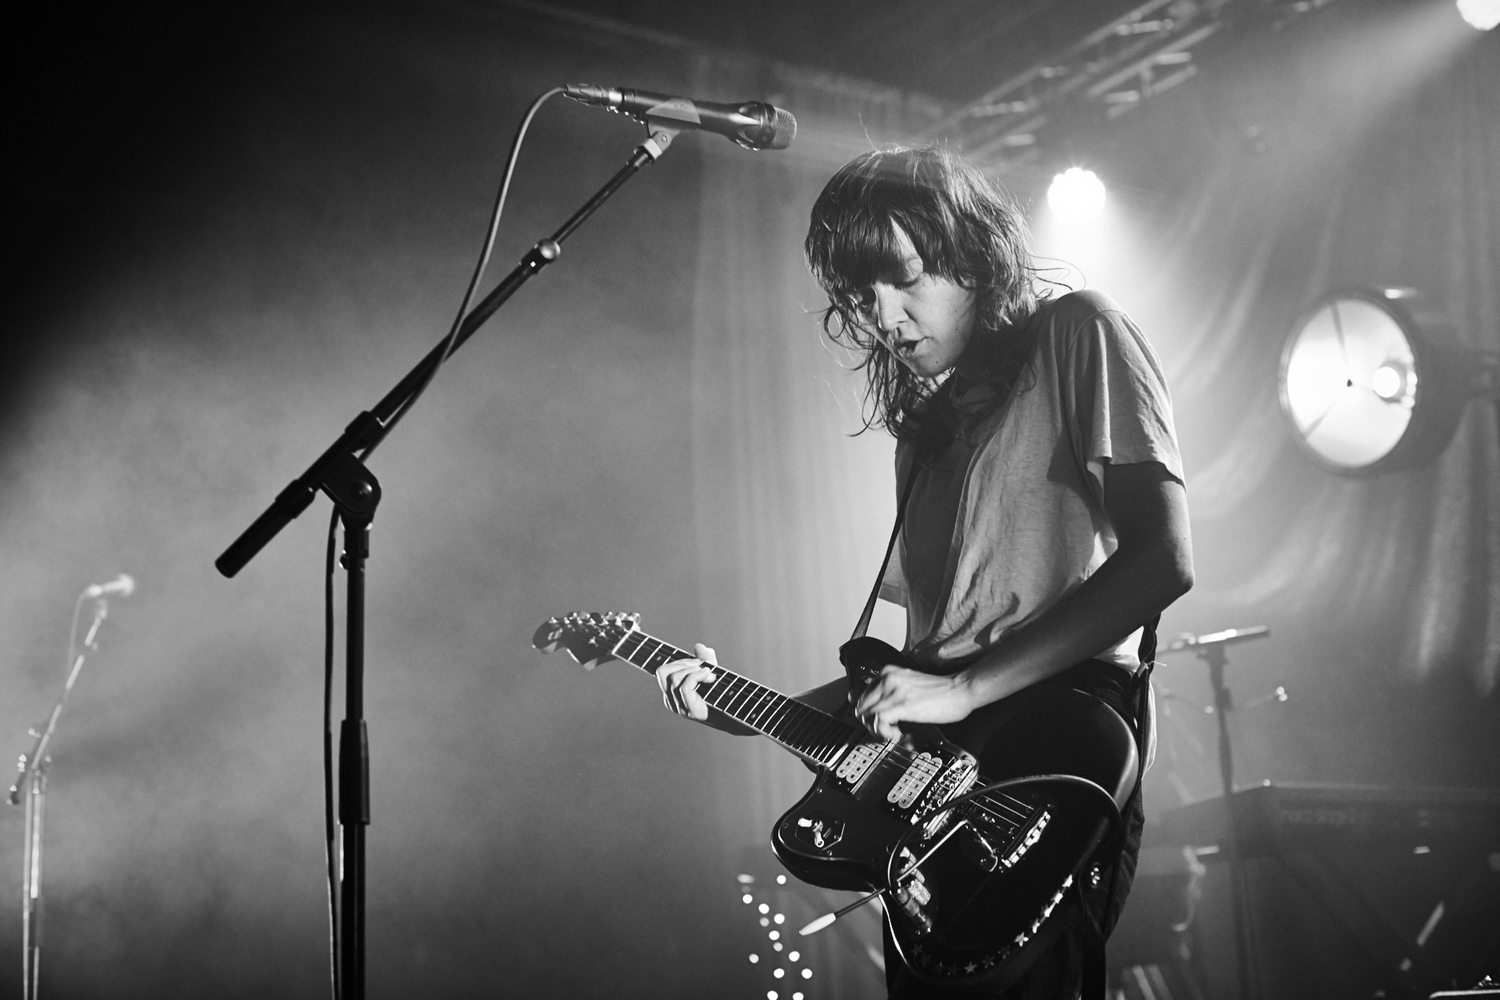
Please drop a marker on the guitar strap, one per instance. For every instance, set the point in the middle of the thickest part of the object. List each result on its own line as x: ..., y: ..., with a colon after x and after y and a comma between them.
x: 864, y: 619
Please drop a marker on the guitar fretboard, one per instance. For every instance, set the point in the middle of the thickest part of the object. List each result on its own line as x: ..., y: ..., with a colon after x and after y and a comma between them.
x: 800, y: 728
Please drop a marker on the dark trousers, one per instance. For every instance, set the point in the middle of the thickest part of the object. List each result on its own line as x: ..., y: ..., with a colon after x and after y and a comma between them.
x: 1058, y: 973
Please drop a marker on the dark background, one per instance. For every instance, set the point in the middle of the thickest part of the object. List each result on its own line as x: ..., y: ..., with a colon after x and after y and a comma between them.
x: 233, y: 227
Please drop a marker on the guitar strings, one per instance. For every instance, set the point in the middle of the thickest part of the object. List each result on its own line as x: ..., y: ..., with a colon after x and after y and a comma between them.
x: 827, y: 733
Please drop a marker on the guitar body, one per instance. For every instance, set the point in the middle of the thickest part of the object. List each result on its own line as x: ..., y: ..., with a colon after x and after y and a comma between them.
x: 974, y: 831
x: 987, y: 902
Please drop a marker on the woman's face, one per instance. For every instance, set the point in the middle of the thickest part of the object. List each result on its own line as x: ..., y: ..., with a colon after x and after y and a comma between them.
x: 926, y: 321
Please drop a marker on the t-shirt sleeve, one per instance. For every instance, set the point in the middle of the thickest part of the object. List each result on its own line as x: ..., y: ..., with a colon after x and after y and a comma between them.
x: 1121, y: 411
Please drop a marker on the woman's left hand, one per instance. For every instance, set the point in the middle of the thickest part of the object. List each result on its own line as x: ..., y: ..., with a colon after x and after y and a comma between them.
x: 903, y: 695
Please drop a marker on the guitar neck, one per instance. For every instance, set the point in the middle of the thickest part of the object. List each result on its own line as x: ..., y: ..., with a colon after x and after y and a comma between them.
x: 802, y: 729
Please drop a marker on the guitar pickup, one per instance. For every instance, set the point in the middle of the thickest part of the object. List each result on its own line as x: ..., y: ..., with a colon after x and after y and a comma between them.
x: 857, y: 761
x: 918, y: 775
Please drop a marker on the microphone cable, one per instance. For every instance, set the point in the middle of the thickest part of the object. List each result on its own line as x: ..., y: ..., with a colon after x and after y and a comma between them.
x: 479, y: 269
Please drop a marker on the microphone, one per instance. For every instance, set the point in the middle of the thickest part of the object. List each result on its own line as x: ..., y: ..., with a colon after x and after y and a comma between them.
x: 753, y: 124
x: 121, y: 586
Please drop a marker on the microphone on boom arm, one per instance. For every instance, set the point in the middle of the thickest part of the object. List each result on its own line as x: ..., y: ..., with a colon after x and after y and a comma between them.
x: 121, y: 586
x: 752, y: 124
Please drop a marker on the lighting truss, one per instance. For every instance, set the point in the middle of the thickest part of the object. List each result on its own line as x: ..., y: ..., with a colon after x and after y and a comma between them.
x: 1107, y: 73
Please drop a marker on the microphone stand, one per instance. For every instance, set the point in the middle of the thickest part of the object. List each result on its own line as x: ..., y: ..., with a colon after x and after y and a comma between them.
x: 1211, y: 650
x: 342, y: 476
x: 32, y: 785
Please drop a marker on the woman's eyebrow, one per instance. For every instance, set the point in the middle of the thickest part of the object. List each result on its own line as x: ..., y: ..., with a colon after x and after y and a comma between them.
x: 907, y: 264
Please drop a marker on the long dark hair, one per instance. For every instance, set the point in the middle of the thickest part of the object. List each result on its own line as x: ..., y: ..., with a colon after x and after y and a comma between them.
x: 964, y: 228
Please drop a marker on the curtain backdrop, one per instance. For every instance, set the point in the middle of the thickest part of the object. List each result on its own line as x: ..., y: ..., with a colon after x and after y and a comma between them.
x: 1371, y: 185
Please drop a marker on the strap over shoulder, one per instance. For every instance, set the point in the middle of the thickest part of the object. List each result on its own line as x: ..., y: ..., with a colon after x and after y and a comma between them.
x: 864, y: 619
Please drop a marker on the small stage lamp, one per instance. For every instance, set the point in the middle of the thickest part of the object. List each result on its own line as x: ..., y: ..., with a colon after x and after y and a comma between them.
x: 1371, y: 382
x: 1076, y: 193
x: 1480, y: 14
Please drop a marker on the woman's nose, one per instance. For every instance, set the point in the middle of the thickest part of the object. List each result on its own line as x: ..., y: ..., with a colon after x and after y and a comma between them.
x: 888, y: 309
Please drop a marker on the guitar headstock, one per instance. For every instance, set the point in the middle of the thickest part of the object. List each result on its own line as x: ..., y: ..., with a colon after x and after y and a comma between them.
x: 587, y: 636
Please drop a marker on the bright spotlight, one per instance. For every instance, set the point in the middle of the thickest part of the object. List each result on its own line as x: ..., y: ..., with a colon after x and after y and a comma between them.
x: 1076, y: 193
x: 1367, y: 387
x: 1481, y: 14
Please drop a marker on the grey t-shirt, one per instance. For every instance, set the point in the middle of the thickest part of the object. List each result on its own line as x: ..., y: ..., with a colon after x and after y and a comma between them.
x: 1002, y: 527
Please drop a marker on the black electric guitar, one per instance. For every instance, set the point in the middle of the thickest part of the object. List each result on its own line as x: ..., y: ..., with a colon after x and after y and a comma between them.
x: 975, y: 877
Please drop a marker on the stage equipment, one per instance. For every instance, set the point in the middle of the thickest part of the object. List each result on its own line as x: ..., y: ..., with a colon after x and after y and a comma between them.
x: 1365, y: 856
x: 1270, y: 819
x: 1482, y: 15
x: 1076, y: 193
x: 1487, y: 988
x: 1210, y: 649
x: 340, y: 473
x: 1112, y: 70
x: 752, y: 124
x: 32, y: 782
x: 1372, y: 381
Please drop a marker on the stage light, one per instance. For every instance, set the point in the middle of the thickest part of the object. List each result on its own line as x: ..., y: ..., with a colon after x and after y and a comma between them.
x: 1076, y: 193
x: 1480, y: 14
x: 1370, y: 382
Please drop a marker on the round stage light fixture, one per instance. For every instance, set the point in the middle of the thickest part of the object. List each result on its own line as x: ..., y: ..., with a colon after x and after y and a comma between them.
x: 1076, y: 193
x: 1480, y: 14
x: 1369, y: 382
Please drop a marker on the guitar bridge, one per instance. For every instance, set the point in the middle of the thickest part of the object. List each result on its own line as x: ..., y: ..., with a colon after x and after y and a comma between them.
x: 1028, y: 838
